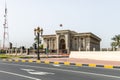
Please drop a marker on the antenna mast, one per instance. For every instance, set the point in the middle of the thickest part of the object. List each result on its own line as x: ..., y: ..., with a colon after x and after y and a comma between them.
x: 6, y: 34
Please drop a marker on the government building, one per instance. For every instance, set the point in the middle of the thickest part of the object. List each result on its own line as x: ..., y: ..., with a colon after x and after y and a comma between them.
x: 65, y: 41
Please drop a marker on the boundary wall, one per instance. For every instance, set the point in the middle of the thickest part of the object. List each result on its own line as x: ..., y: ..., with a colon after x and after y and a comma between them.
x: 96, y: 55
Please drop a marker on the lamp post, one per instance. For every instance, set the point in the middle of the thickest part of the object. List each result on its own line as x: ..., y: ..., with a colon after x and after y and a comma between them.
x: 38, y: 32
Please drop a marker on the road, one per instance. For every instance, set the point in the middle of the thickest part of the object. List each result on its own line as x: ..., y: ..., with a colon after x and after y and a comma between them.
x: 35, y: 71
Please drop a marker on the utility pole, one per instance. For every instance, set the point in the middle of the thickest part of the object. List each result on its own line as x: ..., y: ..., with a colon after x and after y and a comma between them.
x: 5, y: 34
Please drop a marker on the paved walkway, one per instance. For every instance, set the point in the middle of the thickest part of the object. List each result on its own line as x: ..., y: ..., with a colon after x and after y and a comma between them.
x: 74, y: 60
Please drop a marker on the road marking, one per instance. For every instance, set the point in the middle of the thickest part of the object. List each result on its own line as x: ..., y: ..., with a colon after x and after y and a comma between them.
x: 40, y: 73
x: 28, y: 77
x: 110, y: 76
x: 31, y: 71
x: 57, y: 65
x: 28, y: 70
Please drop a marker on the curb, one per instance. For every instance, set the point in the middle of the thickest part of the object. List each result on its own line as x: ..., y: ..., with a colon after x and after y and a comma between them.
x: 64, y: 63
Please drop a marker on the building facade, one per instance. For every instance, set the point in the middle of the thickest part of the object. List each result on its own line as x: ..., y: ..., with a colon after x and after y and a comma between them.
x: 65, y: 41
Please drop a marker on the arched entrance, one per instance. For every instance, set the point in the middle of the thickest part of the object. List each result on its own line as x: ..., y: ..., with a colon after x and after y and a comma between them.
x: 62, y: 44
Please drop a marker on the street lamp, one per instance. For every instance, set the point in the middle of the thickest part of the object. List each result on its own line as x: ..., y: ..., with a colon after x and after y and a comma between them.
x: 38, y: 32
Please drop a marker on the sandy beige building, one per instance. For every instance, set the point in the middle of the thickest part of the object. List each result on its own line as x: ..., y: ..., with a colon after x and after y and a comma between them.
x: 65, y: 41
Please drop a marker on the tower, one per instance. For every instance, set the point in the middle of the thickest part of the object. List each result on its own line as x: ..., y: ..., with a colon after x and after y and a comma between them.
x: 5, y: 34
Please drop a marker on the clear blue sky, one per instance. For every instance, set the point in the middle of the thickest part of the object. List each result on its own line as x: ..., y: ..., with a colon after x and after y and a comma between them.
x: 101, y: 17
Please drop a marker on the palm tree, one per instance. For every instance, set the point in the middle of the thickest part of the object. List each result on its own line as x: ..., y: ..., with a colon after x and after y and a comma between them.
x: 113, y: 44
x: 116, y: 41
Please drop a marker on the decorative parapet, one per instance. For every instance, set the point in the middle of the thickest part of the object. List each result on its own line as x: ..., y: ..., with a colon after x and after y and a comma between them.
x: 89, y: 34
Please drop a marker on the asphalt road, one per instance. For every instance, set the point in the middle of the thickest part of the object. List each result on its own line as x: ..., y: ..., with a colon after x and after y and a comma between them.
x: 35, y: 71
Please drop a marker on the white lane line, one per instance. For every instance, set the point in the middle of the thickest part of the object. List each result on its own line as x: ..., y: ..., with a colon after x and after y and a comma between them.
x: 28, y: 77
x: 31, y: 71
x: 56, y: 65
x: 110, y: 76
x: 40, y: 73
x: 28, y: 70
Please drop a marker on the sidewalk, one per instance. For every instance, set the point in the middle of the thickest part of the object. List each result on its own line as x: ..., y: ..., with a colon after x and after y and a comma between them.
x: 65, y: 58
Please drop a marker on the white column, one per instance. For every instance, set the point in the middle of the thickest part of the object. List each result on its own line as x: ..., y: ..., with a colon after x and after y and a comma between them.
x: 52, y: 43
x: 88, y: 47
x: 88, y: 43
x: 67, y: 43
x: 79, y: 43
x: 57, y: 43
x: 84, y: 45
x: 49, y: 44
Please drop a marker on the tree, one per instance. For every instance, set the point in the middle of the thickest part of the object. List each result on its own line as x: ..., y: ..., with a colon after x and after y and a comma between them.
x: 116, y: 41
x: 36, y: 39
x: 41, y: 46
x: 113, y: 44
x: 36, y: 43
